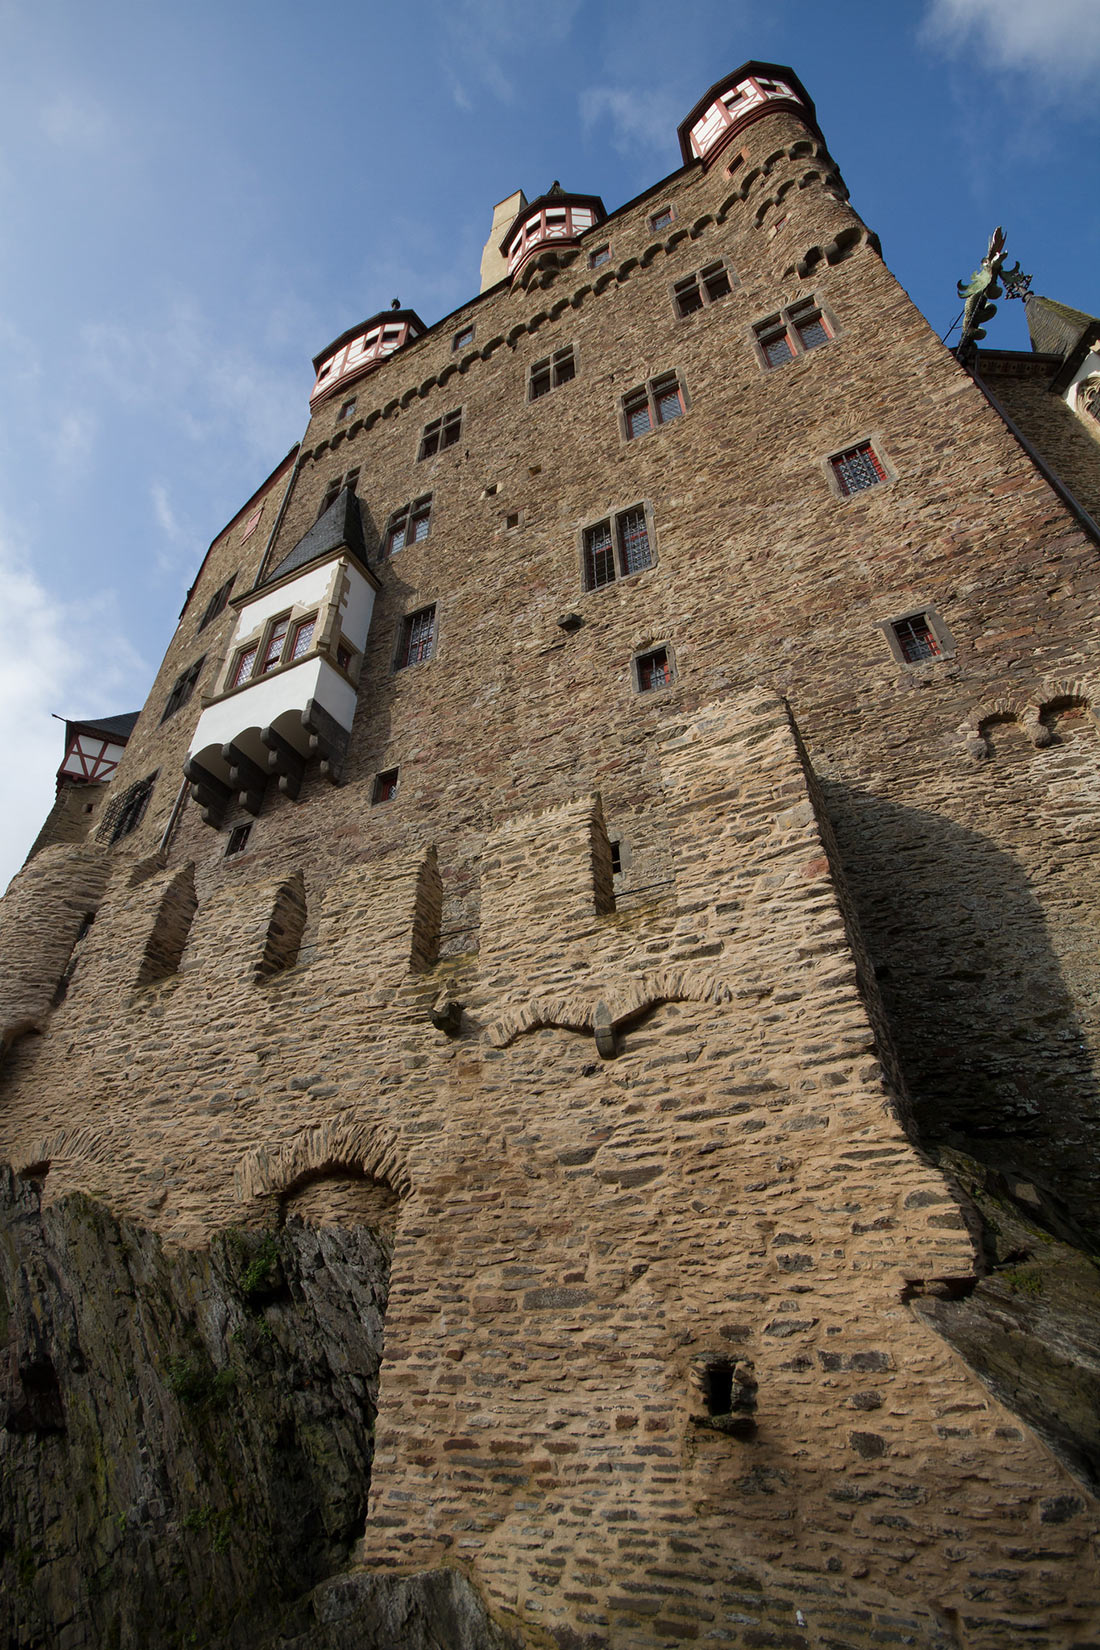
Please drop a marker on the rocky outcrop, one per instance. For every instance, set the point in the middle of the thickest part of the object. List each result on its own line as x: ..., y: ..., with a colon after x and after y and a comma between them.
x: 187, y: 1436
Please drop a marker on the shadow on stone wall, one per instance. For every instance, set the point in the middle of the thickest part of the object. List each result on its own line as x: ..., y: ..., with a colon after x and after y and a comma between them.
x: 1004, y: 1097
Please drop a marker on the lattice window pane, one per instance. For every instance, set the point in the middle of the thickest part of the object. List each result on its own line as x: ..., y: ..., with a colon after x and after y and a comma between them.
x: 858, y: 469
x: 777, y: 349
x: 418, y: 529
x: 274, y: 650
x: 638, y: 421
x: 303, y: 638
x: 669, y: 404
x: 599, y: 556
x: 812, y: 333
x: 244, y: 666
x: 634, y: 541
x: 397, y: 536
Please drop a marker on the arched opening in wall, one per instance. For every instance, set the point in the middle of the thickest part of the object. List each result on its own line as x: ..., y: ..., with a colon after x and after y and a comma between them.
x: 1004, y: 736
x: 1066, y: 716
x: 343, y: 1197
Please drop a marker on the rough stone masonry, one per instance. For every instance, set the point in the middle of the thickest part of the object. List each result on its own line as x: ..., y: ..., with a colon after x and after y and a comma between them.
x: 619, y: 1167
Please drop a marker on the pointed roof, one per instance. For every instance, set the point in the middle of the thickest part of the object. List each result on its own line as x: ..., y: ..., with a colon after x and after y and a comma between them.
x: 1056, y: 328
x: 339, y: 528
x: 116, y: 728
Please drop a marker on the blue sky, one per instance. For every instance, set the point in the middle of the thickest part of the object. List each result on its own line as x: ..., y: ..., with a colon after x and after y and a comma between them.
x: 198, y: 197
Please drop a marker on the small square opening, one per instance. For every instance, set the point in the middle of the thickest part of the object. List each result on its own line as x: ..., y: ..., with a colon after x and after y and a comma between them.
x: 385, y: 786
x: 238, y: 840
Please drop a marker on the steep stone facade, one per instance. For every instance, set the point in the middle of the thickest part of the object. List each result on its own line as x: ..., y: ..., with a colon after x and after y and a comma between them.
x: 672, y: 1005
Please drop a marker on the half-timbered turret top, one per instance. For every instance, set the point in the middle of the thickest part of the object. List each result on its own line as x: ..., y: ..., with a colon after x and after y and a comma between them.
x: 753, y: 90
x: 549, y: 225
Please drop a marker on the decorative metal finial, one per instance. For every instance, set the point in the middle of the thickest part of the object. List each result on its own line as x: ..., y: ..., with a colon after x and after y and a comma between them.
x: 395, y: 303
x: 1016, y: 283
x: 980, y: 291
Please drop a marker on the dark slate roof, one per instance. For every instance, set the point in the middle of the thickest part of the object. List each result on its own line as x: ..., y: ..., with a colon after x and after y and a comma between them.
x: 1056, y: 328
x: 117, y: 728
x: 340, y: 528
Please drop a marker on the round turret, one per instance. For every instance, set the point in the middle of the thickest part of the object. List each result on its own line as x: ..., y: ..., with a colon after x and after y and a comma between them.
x: 548, y: 227
x: 362, y: 348
x: 751, y: 91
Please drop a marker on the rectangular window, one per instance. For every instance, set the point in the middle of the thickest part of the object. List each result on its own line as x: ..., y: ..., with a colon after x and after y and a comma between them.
x: 694, y: 291
x: 916, y: 639
x: 273, y: 648
x: 658, y: 402
x: 602, y: 255
x: 857, y: 469
x: 463, y: 338
x: 654, y: 669
x: 238, y: 840
x: 183, y: 689
x: 661, y: 219
x: 343, y: 656
x: 440, y: 433
x: 346, y: 411
x: 243, y: 668
x: 126, y: 812
x: 616, y: 548
x: 303, y: 636
x: 550, y: 373
x: 336, y: 487
x: 792, y: 332
x: 417, y: 638
x: 385, y: 786
x: 217, y: 602
x: 410, y: 524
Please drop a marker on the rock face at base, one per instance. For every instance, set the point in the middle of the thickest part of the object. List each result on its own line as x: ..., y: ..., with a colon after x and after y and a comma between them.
x: 187, y: 1435
x: 434, y: 1609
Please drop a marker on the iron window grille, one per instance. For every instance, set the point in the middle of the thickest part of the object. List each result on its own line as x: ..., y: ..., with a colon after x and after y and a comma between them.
x: 653, y: 669
x: 440, y: 434
x: 601, y: 256
x: 550, y: 373
x: 462, y: 338
x: 410, y: 524
x: 706, y: 287
x: 794, y: 331
x: 125, y: 813
x: 336, y: 487
x: 183, y: 689
x: 417, y: 638
x: 217, y: 602
x: 238, y: 840
x: 856, y: 469
x: 657, y: 402
x: 385, y: 786
x: 916, y: 639
x: 616, y: 548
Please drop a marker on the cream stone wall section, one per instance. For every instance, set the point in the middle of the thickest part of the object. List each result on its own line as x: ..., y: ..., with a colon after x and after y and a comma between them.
x: 580, y: 1235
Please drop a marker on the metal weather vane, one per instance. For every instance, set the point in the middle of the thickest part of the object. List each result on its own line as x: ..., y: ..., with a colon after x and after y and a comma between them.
x: 982, y: 288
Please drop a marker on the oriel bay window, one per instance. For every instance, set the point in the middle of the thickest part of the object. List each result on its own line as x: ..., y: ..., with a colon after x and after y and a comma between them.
x: 284, y: 640
x: 616, y: 548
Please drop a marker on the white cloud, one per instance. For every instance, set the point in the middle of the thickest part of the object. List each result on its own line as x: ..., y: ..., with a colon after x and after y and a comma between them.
x: 486, y: 40
x: 1057, y: 39
x: 57, y: 656
x: 637, y: 117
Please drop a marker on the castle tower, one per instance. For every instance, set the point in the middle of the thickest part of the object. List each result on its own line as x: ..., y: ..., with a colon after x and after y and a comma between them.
x: 555, y: 1101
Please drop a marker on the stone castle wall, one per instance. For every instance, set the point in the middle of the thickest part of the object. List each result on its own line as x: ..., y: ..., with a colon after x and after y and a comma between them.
x: 658, y: 1142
